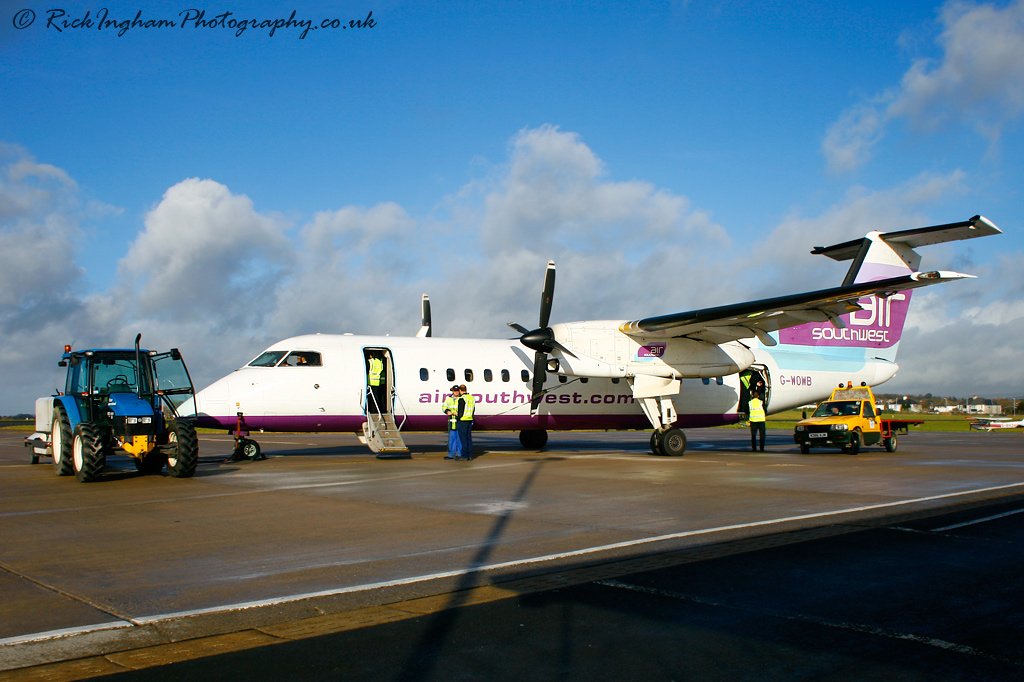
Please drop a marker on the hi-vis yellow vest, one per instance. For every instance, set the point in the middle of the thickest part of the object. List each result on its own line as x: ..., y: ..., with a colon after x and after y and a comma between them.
x: 467, y: 412
x: 756, y: 410
x: 376, y: 369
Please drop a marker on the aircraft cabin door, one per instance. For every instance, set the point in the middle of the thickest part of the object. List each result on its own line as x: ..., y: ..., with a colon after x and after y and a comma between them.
x: 380, y: 379
x: 750, y: 379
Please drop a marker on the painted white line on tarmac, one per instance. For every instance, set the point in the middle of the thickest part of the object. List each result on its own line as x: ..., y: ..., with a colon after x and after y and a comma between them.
x: 146, y: 620
x: 552, y: 557
x: 971, y: 523
x: 67, y: 632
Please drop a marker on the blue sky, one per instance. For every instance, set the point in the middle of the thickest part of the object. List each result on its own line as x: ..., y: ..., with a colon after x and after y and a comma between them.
x: 219, y: 192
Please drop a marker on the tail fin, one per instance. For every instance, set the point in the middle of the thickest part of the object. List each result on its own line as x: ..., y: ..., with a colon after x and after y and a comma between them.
x: 879, y: 325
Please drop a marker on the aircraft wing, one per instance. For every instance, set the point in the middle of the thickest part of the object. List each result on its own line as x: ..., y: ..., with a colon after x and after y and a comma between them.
x: 757, y: 318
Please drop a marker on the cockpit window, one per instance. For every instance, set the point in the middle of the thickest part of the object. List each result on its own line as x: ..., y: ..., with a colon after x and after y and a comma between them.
x: 268, y: 358
x: 302, y: 358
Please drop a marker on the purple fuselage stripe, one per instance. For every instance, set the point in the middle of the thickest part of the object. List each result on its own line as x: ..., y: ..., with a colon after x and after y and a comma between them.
x: 552, y: 422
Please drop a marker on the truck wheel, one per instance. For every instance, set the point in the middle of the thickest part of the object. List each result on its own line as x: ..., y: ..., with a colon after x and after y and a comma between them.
x: 804, y: 448
x: 890, y: 443
x: 61, y: 440
x: 87, y: 455
x: 673, y: 442
x: 854, y: 447
x: 183, y: 455
x: 150, y: 463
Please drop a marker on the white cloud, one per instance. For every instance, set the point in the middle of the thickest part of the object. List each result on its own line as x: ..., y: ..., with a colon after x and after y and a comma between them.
x: 206, y: 250
x: 978, y: 81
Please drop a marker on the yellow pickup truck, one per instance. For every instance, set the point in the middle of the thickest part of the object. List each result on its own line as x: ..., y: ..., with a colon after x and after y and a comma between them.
x: 849, y: 420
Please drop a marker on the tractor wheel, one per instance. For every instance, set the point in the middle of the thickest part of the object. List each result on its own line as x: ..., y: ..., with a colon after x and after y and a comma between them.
x: 890, y: 443
x: 533, y: 439
x: 150, y: 463
x: 854, y: 447
x: 183, y: 455
x: 87, y: 454
x: 673, y: 442
x: 804, y: 448
x: 61, y: 440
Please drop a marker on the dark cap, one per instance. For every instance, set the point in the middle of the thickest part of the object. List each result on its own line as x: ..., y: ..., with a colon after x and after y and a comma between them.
x: 454, y: 388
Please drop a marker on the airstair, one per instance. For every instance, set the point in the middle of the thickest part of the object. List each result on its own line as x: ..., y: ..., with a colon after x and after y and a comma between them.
x: 383, y: 436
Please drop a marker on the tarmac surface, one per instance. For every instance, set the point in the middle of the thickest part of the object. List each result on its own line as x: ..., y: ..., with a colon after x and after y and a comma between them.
x: 591, y: 559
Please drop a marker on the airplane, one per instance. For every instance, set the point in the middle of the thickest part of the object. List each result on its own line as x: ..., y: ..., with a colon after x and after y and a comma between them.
x: 668, y: 373
x: 990, y: 423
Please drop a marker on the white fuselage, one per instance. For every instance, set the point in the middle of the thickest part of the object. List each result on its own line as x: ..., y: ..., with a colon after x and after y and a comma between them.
x: 331, y: 395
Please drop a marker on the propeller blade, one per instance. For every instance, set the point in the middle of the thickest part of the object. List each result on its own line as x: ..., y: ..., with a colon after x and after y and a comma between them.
x: 519, y: 328
x: 540, y: 360
x: 555, y: 344
x: 547, y: 295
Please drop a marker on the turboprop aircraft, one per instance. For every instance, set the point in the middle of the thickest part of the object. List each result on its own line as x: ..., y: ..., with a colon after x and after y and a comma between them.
x: 672, y: 372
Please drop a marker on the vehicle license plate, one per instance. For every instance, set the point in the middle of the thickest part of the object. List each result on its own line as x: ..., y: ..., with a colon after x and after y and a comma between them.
x: 817, y: 435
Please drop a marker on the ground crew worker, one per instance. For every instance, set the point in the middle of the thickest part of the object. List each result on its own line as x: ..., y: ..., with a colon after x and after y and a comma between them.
x: 450, y: 407
x: 376, y: 399
x: 467, y: 407
x: 757, y: 421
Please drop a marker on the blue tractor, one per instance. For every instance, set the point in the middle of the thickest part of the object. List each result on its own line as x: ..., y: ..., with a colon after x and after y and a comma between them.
x: 123, y: 401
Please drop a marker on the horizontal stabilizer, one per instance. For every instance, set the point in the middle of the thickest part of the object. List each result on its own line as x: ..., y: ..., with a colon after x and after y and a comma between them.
x: 978, y: 226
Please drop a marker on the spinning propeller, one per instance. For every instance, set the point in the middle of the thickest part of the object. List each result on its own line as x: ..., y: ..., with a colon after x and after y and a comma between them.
x: 541, y: 340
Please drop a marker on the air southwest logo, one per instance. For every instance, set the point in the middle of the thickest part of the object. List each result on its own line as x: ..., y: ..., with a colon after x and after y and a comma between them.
x: 878, y: 325
x: 650, y: 352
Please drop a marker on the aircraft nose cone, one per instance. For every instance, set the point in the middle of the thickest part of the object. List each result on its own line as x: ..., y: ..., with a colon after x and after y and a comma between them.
x: 538, y: 339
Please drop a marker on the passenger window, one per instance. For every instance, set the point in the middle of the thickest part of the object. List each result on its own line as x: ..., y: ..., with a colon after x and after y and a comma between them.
x: 505, y: 375
x: 450, y: 373
x: 488, y: 375
x: 526, y: 377
x: 424, y: 374
x: 301, y: 358
x: 584, y: 380
x: 869, y: 411
x: 562, y: 378
x: 469, y: 375
x: 615, y: 380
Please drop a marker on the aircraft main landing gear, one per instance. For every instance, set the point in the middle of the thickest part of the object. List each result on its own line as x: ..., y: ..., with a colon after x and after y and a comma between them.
x: 533, y: 439
x: 668, y: 442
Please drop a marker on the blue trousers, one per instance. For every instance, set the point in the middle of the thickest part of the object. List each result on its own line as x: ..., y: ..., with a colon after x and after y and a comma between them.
x: 454, y: 443
x: 465, y: 429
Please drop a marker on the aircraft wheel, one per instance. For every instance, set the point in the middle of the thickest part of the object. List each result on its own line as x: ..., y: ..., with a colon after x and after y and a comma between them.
x: 890, y: 443
x: 673, y: 442
x: 854, y: 447
x: 656, y: 443
x: 251, y: 449
x: 87, y: 455
x: 533, y: 439
x: 183, y: 455
x: 61, y: 441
